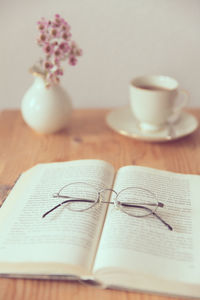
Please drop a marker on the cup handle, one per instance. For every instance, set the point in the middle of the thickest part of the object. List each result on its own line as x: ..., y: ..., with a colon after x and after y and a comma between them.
x: 184, y: 102
x: 177, y: 108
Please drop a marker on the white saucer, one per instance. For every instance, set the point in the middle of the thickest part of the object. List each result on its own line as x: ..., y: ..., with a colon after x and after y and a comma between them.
x: 122, y: 121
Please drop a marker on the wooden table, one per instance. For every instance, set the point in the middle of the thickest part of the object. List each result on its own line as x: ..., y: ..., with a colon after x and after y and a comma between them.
x: 86, y: 137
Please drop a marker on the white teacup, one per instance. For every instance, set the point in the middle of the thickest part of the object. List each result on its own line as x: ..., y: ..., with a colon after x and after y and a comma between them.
x: 154, y: 101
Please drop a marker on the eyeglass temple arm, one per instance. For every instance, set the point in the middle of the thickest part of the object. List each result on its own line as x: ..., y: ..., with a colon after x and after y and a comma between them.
x: 165, y: 223
x: 57, y: 195
x: 46, y: 213
x: 64, y: 202
x: 148, y: 209
x: 159, y: 204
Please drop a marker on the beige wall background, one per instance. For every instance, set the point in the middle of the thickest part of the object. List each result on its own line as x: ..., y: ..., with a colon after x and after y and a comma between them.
x: 120, y: 40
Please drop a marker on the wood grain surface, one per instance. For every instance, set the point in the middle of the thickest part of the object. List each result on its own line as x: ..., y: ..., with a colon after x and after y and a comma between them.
x: 87, y: 136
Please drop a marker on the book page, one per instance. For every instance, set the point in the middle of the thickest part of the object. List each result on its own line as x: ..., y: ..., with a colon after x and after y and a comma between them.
x: 144, y: 245
x: 63, y: 236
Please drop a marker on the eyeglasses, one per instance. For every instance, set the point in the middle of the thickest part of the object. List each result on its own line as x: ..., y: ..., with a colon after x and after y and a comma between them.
x: 134, y: 201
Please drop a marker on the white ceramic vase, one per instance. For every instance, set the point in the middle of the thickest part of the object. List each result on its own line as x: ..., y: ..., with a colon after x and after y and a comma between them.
x: 46, y: 109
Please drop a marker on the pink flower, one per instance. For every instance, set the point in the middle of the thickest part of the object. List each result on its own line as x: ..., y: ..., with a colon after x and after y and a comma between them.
x: 58, y: 53
x: 75, y: 50
x: 42, y: 24
x: 79, y: 52
x: 65, y: 27
x: 59, y: 21
x: 57, y: 18
x: 64, y: 47
x: 59, y: 72
x: 48, y: 49
x: 55, y: 40
x: 66, y: 36
x: 43, y: 37
x: 48, y: 65
x: 72, y: 60
x: 55, y: 33
x: 41, y: 27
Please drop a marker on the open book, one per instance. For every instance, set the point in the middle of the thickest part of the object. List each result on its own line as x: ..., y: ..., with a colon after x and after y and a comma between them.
x: 103, y: 244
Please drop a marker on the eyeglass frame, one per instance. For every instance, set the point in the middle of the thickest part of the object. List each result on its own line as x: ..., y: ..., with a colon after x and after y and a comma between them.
x: 116, y: 202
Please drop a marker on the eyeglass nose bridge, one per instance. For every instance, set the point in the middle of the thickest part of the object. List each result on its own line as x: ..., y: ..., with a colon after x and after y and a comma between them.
x: 100, y: 197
